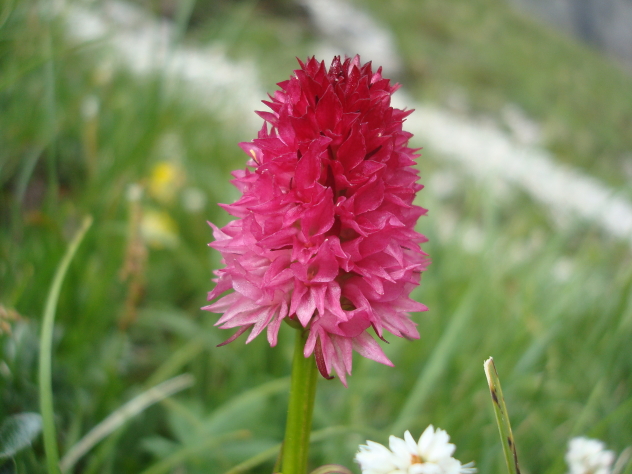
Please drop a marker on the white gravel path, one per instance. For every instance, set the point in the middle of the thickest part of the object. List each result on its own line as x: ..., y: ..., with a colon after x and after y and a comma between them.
x: 489, y: 153
x: 144, y: 45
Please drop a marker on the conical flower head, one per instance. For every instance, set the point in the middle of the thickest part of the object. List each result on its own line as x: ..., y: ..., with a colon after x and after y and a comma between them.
x: 324, y: 231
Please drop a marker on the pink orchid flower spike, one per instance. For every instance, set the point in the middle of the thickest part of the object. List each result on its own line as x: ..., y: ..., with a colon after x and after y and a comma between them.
x: 324, y: 233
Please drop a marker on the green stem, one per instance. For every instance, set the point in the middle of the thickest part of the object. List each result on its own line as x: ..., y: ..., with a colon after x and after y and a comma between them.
x: 502, y: 417
x: 300, y: 409
x: 45, y: 356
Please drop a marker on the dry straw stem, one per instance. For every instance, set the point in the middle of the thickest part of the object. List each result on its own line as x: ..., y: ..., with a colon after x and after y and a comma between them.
x: 624, y: 461
x: 331, y: 469
x: 502, y: 417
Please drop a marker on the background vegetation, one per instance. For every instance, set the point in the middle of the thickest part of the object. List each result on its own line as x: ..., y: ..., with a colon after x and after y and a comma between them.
x: 81, y: 136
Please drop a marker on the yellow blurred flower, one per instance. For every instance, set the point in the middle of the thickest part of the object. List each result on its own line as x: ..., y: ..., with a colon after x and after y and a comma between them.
x: 159, y: 230
x: 165, y: 181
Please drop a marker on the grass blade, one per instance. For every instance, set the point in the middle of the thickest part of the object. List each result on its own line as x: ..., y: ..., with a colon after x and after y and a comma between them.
x: 186, y: 452
x: 45, y: 351
x: 17, y: 432
x: 230, y: 413
x: 121, y: 415
x: 270, y: 453
x: 7, y: 9
x: 177, y: 360
x: 434, y: 367
x: 502, y: 417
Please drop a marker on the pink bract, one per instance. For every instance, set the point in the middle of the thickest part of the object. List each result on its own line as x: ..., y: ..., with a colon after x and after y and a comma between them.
x: 324, y: 233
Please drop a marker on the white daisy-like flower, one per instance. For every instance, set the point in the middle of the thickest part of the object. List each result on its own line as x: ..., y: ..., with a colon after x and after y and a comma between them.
x: 588, y: 456
x: 431, y: 455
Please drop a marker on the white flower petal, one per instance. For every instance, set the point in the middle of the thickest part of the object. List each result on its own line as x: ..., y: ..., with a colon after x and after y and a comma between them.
x: 410, y: 442
x: 586, y: 456
x: 426, y: 439
x: 375, y: 458
x: 401, y: 453
x: 450, y: 466
x: 425, y: 468
x: 432, y: 454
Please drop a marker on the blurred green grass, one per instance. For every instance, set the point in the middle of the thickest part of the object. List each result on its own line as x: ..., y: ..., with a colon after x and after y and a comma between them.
x: 497, y: 56
x: 553, y: 307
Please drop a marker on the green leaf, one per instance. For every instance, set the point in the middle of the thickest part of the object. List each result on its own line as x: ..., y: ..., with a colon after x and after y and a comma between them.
x: 8, y: 467
x: 17, y: 432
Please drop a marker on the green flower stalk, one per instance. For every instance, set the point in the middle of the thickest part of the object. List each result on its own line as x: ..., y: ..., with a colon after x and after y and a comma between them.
x: 300, y: 409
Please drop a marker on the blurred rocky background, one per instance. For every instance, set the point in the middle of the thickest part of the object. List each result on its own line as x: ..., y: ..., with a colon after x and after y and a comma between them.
x: 605, y: 24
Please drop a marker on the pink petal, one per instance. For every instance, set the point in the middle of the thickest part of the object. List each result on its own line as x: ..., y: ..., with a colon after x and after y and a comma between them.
x: 366, y: 346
